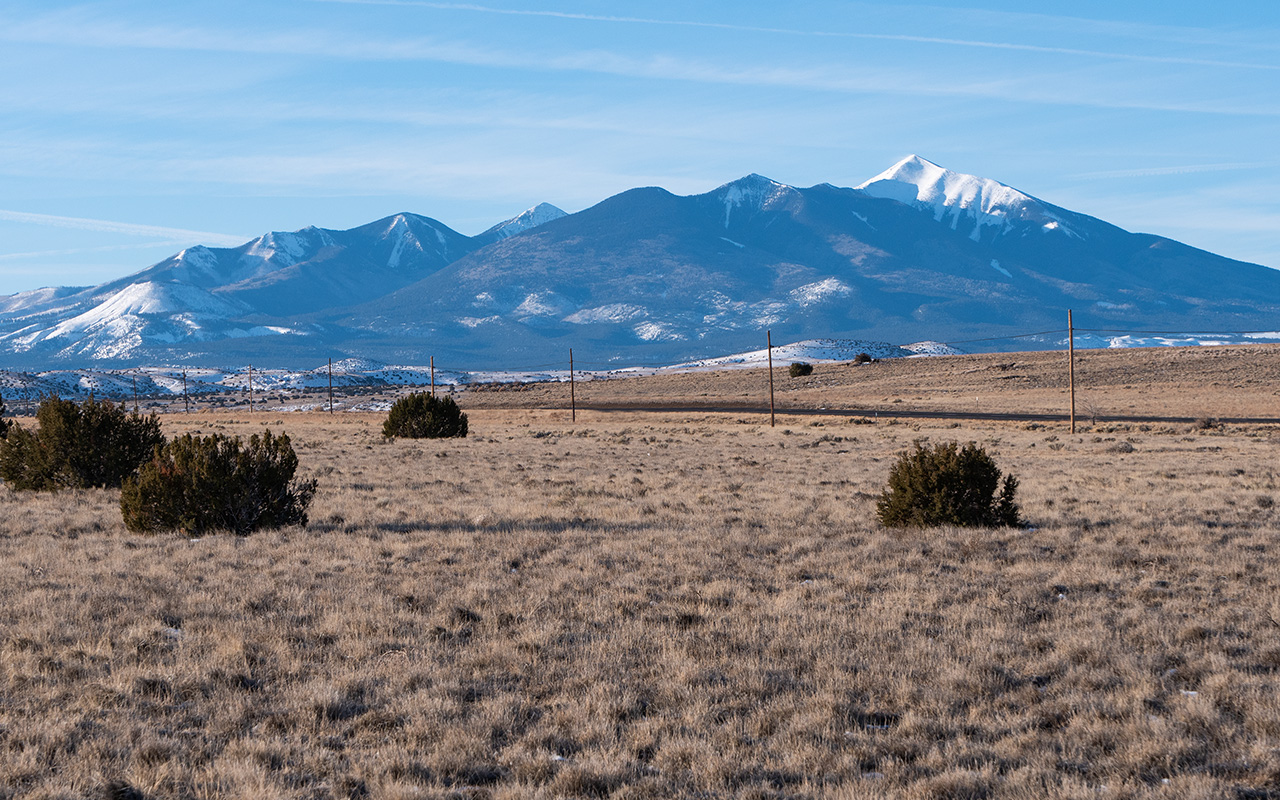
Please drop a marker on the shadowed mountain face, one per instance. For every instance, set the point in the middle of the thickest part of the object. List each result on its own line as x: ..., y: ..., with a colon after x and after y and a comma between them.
x: 915, y: 253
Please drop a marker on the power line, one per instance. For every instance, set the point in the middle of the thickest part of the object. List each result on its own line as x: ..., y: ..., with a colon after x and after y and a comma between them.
x: 1172, y: 333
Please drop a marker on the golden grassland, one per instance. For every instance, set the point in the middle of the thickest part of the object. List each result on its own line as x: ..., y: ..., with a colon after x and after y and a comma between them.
x: 647, y: 605
x: 1215, y: 382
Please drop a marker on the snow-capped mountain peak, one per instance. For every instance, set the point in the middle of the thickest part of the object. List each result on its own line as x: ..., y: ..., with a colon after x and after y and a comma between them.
x: 540, y: 214
x: 283, y: 248
x: 956, y: 196
x: 754, y: 193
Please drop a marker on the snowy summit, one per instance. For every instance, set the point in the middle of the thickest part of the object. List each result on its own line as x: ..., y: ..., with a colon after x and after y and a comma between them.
x: 955, y: 197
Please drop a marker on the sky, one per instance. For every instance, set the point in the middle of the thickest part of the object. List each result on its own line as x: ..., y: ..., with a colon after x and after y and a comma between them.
x: 130, y: 129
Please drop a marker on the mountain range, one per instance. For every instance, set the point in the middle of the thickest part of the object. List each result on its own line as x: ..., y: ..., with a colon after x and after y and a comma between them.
x: 916, y: 253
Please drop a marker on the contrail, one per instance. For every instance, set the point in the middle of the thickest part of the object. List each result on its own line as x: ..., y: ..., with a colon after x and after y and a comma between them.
x: 127, y: 228
x: 73, y: 251
x: 890, y: 37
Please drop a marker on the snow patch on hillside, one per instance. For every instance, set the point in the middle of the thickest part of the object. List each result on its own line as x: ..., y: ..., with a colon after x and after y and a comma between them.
x: 284, y: 249
x: 657, y: 332
x: 404, y: 240
x: 756, y: 192
x: 40, y: 299
x: 542, y: 304
x: 931, y: 349
x: 198, y: 258
x: 810, y: 350
x: 821, y: 291
x: 148, y: 298
x: 613, y: 312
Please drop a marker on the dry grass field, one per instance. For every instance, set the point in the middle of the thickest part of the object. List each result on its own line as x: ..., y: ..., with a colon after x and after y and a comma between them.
x: 652, y: 605
x: 1195, y: 382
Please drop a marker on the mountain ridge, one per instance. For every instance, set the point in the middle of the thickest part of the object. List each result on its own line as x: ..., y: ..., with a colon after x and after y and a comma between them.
x: 916, y: 252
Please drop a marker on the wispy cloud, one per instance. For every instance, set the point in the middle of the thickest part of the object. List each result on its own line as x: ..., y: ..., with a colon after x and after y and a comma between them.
x: 174, y: 236
x: 886, y: 37
x: 76, y: 251
x: 822, y: 77
x: 1185, y: 169
x: 1257, y: 38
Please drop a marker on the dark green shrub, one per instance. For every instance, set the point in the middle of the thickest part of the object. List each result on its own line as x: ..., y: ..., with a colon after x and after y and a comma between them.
x: 5, y: 424
x: 799, y: 369
x: 863, y: 358
x: 77, y: 445
x: 421, y: 416
x: 947, y: 485
x: 197, y: 484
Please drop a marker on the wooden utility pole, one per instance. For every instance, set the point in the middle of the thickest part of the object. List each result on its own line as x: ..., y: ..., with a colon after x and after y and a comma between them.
x: 330, y: 385
x: 433, y: 376
x: 573, y: 400
x: 1071, y: 366
x: 135, y: 394
x: 769, y: 340
x: 250, y: 388
x: 186, y: 405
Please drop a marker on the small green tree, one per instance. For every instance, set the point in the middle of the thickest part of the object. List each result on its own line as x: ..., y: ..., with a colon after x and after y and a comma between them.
x: 421, y: 416
x: 198, y: 484
x: 799, y: 369
x: 77, y: 445
x: 946, y: 484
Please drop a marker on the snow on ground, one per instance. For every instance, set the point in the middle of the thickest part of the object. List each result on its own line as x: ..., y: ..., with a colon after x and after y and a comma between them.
x: 613, y: 312
x: 821, y: 291
x: 20, y: 388
x: 931, y: 349
x: 814, y: 350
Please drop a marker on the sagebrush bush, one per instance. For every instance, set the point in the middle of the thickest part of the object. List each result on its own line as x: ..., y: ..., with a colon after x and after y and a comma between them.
x: 197, y: 484
x: 421, y: 416
x: 863, y: 358
x: 77, y: 445
x: 799, y: 369
x: 946, y: 484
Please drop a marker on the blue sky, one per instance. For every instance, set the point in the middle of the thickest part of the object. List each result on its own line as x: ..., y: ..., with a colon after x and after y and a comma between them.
x: 130, y: 129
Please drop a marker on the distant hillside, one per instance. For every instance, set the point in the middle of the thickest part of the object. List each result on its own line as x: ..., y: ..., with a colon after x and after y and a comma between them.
x: 916, y: 253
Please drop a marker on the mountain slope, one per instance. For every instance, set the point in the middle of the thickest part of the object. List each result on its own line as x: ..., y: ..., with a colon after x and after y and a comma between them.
x: 207, y: 300
x: 917, y: 252
x: 540, y: 214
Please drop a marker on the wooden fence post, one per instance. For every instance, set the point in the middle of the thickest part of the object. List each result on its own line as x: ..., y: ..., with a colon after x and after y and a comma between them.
x: 1071, y: 366
x: 769, y: 339
x: 573, y: 400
